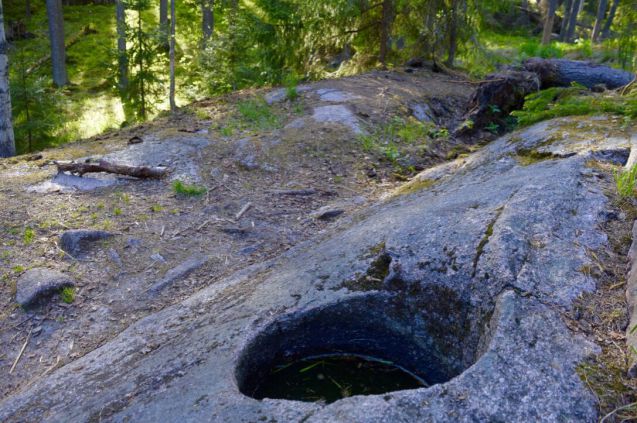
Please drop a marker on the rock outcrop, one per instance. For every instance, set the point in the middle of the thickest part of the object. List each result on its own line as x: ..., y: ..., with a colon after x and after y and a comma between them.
x: 473, y: 264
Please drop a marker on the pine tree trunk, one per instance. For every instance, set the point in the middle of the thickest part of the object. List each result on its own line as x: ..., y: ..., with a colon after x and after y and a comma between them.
x: 56, y: 36
x: 601, y: 12
x: 122, y: 57
x: 384, y: 32
x: 549, y: 19
x: 572, y: 20
x: 453, y: 34
x: 140, y: 64
x: 7, y: 141
x: 568, y: 4
x: 609, y: 20
x: 232, y: 28
x: 173, y: 106
x: 163, y: 23
x: 207, y: 20
x: 163, y: 13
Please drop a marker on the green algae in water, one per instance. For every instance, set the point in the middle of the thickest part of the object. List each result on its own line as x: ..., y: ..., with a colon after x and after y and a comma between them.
x: 332, y: 377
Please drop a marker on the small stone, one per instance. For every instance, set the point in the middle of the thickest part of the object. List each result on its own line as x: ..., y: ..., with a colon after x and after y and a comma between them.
x: 78, y: 242
x: 38, y: 283
x: 179, y: 272
x: 133, y: 243
x: 115, y: 258
x: 327, y: 213
x: 158, y: 257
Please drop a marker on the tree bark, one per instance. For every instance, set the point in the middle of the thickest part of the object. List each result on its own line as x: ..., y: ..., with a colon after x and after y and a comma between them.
x: 122, y: 57
x: 163, y: 14
x: 609, y: 20
x: 7, y: 140
x: 453, y: 34
x: 549, y: 19
x: 562, y: 72
x: 173, y: 106
x: 568, y: 4
x: 385, y: 25
x: 56, y: 36
x: 110, y: 167
x: 572, y: 20
x: 207, y: 20
x: 140, y: 64
x: 601, y: 12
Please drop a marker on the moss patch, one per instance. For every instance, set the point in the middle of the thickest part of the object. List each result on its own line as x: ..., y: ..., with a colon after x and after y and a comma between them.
x: 527, y: 157
x: 414, y: 185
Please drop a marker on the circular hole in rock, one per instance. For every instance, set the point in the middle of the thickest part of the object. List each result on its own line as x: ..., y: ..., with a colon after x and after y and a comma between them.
x: 370, y: 344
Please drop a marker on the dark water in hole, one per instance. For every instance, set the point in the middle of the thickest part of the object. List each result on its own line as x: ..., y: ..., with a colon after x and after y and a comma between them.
x: 332, y: 377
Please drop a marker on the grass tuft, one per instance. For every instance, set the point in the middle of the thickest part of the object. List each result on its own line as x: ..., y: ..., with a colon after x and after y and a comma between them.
x: 67, y: 294
x: 188, y: 190
x: 625, y: 182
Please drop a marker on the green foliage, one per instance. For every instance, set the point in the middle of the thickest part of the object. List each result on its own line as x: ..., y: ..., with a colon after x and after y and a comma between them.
x: 67, y: 294
x: 146, y: 50
x: 625, y: 182
x: 533, y: 48
x: 575, y: 100
x: 38, y: 109
x: 188, y: 190
x: 263, y: 42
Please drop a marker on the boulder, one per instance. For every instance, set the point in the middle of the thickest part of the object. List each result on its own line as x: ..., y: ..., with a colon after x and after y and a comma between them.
x: 38, y: 283
x: 77, y: 243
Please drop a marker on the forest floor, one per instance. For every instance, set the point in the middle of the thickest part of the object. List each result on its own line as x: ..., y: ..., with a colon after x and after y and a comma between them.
x: 312, y: 154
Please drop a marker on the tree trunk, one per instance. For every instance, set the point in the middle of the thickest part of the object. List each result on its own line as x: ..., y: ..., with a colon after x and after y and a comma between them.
x: 122, y: 57
x: 568, y: 4
x: 385, y: 25
x: 28, y: 10
x: 163, y: 14
x: 453, y: 34
x: 232, y: 29
x: 56, y: 36
x: 549, y: 19
x: 207, y: 20
x: 7, y: 141
x: 163, y: 23
x: 140, y: 64
x: 572, y: 20
x: 609, y: 20
x: 173, y: 106
x: 601, y: 12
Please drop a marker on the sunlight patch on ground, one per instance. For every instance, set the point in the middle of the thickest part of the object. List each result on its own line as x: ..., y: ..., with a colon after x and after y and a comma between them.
x: 99, y: 113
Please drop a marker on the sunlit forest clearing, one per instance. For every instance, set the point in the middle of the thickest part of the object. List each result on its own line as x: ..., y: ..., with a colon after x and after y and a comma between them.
x: 318, y: 211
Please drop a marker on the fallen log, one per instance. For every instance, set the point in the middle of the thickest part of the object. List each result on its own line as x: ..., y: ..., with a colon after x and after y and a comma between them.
x: 109, y: 167
x: 505, y: 91
x: 562, y: 72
